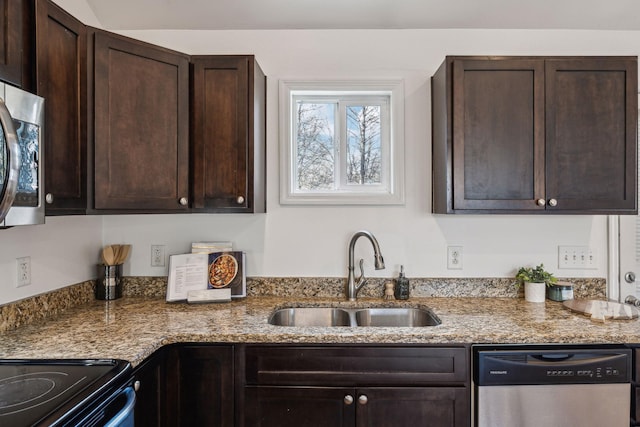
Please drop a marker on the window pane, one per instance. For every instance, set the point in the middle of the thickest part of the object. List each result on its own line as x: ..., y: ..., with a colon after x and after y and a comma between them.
x: 364, y: 162
x: 315, y: 145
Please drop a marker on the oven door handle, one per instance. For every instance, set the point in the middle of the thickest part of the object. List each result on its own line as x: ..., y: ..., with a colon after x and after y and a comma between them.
x: 126, y: 413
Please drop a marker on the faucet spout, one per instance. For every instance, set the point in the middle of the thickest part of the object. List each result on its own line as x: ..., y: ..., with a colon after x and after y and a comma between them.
x: 355, y: 284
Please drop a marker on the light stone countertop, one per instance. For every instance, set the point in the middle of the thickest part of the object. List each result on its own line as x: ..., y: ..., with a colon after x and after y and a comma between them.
x: 131, y: 328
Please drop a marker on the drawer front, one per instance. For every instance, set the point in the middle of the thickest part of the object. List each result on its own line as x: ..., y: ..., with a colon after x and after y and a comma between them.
x: 356, y: 366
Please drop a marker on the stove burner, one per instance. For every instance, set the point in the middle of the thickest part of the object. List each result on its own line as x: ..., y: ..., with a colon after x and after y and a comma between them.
x: 24, y: 392
x: 18, y: 391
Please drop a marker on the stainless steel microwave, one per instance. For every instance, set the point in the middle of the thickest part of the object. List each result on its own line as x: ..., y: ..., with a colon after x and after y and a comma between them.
x: 21, y: 157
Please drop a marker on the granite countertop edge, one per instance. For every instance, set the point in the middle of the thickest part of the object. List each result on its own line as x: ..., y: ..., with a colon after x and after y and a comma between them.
x: 132, y: 328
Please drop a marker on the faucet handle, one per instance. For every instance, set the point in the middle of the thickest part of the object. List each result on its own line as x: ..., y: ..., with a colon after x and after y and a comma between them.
x: 361, y: 280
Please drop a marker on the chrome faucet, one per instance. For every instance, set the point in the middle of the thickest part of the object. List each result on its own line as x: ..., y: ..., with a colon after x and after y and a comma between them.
x: 354, y: 284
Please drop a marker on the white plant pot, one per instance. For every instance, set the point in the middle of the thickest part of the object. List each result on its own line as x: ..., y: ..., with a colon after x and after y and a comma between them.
x: 535, y: 292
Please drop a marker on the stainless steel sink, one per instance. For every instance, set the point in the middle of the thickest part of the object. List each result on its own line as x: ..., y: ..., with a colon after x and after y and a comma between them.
x: 411, y: 317
x: 310, y: 316
x: 372, y: 316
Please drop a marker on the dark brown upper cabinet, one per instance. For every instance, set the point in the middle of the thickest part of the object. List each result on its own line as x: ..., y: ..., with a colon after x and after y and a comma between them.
x: 535, y: 135
x: 141, y: 134
x: 15, y: 39
x: 228, y: 134
x: 118, y: 123
x: 61, y: 78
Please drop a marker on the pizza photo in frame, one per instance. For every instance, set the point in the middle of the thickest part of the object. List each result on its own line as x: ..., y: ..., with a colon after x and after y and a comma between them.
x: 226, y: 270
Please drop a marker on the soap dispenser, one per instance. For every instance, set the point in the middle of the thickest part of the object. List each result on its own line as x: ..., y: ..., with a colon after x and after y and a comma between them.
x: 401, y: 290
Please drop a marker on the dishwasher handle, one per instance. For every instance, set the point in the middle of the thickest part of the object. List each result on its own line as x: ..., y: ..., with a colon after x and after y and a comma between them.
x: 553, y: 357
x: 573, y: 359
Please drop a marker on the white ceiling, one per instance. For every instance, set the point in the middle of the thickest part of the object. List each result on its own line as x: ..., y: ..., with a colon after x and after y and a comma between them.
x: 367, y: 14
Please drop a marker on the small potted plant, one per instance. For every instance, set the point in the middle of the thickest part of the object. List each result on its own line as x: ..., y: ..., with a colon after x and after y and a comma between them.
x: 535, y: 281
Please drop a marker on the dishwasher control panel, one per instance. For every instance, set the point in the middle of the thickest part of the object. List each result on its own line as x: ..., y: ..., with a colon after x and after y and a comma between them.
x: 535, y: 366
x: 588, y: 373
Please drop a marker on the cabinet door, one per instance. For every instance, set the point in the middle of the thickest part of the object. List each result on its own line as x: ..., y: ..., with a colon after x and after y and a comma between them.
x: 13, y: 41
x: 498, y: 134
x: 435, y: 407
x: 299, y: 406
x: 141, y: 126
x: 157, y: 378
x: 148, y: 402
x: 206, y: 386
x: 61, y: 77
x: 591, y: 122
x: 228, y: 105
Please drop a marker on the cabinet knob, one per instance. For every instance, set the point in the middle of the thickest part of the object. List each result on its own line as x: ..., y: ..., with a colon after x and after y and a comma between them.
x: 348, y: 399
x: 240, y: 200
x: 553, y: 202
x: 48, y: 198
x: 540, y: 202
x: 363, y: 399
x: 136, y: 385
x: 183, y: 201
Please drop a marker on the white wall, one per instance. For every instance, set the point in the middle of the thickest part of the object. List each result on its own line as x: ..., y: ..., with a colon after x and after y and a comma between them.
x: 312, y: 241
x: 63, y: 251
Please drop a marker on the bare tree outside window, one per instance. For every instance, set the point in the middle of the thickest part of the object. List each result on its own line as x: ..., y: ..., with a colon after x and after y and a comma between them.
x: 364, y: 159
x: 315, y: 146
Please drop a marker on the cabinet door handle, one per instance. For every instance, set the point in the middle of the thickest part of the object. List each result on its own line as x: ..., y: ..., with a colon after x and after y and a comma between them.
x: 553, y: 202
x: 348, y: 399
x: 183, y: 201
x: 540, y: 202
x: 363, y: 399
x: 48, y: 198
x: 136, y: 385
x: 240, y: 200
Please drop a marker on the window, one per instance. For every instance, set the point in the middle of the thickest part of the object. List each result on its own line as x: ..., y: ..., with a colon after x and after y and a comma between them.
x: 342, y: 142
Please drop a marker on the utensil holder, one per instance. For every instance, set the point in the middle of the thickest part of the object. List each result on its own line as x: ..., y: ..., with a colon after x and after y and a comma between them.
x: 109, y: 283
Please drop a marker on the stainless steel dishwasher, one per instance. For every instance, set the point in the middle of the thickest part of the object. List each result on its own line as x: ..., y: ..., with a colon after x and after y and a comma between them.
x: 551, y: 386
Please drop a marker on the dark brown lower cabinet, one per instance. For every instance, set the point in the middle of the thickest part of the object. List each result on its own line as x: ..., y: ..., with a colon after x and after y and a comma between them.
x: 371, y: 386
x: 264, y: 385
x: 186, y: 385
x: 153, y: 380
x: 206, y: 385
x: 371, y: 407
x: 298, y: 406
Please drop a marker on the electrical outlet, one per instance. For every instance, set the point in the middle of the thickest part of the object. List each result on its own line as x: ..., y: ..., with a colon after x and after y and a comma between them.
x: 454, y: 257
x: 23, y: 277
x: 157, y: 255
x: 577, y: 257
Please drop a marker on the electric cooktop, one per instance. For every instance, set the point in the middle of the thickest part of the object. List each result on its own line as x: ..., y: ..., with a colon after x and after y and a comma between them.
x: 44, y: 391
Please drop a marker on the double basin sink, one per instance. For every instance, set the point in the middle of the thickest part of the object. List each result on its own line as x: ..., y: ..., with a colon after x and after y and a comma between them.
x: 350, y: 317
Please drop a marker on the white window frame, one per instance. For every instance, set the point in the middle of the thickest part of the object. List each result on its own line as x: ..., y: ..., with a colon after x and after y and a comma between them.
x: 392, y: 191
